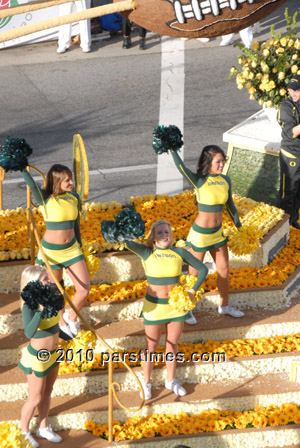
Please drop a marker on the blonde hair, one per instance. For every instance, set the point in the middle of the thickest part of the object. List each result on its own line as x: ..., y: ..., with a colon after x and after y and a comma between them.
x: 30, y: 274
x: 151, y: 235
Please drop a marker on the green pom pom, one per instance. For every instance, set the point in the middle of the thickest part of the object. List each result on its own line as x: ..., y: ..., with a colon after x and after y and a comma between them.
x: 14, y: 153
x: 109, y: 231
x: 35, y: 294
x: 128, y: 225
x: 165, y: 138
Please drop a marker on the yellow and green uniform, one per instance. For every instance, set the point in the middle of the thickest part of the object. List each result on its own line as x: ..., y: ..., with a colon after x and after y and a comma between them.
x: 289, y: 159
x: 163, y: 267
x: 60, y: 213
x: 213, y: 192
x: 36, y: 327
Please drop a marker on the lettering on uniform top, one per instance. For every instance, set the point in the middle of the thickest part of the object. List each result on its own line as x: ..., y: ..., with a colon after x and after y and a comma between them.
x: 65, y: 198
x: 218, y: 182
x: 165, y: 255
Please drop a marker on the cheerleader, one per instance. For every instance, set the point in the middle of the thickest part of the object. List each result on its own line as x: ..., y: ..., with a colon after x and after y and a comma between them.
x: 40, y: 306
x: 61, y: 243
x: 213, y: 193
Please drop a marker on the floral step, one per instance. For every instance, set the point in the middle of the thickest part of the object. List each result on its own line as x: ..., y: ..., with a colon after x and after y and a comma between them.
x: 237, y: 369
x: 263, y: 390
x: 271, y: 298
x: 253, y: 326
x: 125, y: 266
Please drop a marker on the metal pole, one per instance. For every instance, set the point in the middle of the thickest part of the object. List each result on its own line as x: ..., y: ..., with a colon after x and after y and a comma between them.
x: 110, y: 401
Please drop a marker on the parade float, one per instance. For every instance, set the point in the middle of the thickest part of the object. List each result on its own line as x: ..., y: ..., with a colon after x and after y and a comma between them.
x: 241, y: 375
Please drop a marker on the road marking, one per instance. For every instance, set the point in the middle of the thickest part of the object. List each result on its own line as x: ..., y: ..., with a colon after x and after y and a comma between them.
x: 169, y: 180
x: 100, y: 171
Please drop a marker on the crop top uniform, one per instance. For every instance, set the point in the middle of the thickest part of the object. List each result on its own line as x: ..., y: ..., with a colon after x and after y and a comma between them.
x: 60, y: 213
x: 36, y: 327
x: 213, y: 192
x: 163, y: 267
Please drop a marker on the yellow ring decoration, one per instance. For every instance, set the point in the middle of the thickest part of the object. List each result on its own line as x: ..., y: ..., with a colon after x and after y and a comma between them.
x: 80, y: 167
x: 44, y: 181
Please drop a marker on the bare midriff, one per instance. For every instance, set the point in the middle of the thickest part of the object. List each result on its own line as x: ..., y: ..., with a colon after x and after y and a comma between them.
x: 48, y: 343
x: 209, y: 220
x: 160, y: 291
x: 59, y: 236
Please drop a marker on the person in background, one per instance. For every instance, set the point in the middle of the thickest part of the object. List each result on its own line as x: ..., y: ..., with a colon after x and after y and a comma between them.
x: 289, y: 156
x: 65, y: 31
x: 126, y: 29
x: 213, y: 192
x: 41, y: 373
x: 246, y: 36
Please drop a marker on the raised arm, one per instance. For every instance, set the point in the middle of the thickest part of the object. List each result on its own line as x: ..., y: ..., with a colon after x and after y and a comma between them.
x: 231, y: 207
x: 139, y: 249
x: 195, y: 263
x: 31, y: 320
x: 189, y: 175
x: 39, y: 194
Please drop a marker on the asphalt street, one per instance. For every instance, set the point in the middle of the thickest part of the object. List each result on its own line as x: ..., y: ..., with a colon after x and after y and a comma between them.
x: 111, y: 97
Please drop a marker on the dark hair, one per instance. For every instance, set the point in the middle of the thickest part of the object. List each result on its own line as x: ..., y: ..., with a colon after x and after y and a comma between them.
x: 206, y: 157
x: 54, y: 178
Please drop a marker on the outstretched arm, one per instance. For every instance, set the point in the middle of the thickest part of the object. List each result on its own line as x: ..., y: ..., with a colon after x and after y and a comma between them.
x: 39, y: 194
x: 141, y: 250
x: 189, y: 175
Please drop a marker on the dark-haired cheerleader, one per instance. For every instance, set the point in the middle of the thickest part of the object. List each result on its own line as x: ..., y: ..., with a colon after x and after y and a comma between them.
x: 213, y: 192
x: 40, y: 305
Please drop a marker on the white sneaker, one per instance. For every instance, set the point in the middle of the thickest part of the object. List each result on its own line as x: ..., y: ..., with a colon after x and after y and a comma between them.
x: 204, y: 40
x: 86, y: 49
x: 49, y: 434
x: 66, y: 329
x: 62, y: 50
x: 147, y: 390
x: 225, y: 43
x: 74, y: 326
x: 191, y: 320
x: 31, y: 440
x: 230, y: 311
x: 176, y: 387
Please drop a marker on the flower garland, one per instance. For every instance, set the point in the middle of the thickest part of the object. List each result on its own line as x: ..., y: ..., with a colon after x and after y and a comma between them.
x: 232, y: 348
x: 12, y: 437
x: 180, y: 210
x: 161, y: 425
